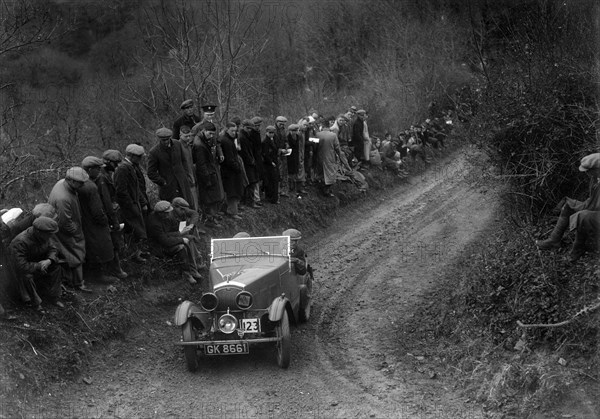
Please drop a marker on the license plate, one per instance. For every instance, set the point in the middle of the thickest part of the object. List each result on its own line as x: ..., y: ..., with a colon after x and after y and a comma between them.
x: 250, y: 325
x: 226, y: 349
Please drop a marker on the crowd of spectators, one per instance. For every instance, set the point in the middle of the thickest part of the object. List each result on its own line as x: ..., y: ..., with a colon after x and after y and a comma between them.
x: 206, y: 175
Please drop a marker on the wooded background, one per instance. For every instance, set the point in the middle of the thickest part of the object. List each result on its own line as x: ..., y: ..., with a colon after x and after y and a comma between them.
x: 77, y: 78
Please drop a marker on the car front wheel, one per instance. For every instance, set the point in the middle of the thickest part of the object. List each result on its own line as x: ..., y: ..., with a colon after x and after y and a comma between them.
x: 189, y: 335
x: 284, y: 345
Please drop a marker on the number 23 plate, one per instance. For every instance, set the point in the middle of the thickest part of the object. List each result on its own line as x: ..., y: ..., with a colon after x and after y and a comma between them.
x: 250, y: 325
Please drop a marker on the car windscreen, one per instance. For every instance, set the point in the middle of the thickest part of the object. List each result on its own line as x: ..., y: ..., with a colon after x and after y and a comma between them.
x: 250, y: 247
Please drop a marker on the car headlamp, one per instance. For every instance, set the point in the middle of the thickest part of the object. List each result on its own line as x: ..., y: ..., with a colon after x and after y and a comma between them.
x: 243, y: 300
x: 209, y: 301
x: 227, y: 323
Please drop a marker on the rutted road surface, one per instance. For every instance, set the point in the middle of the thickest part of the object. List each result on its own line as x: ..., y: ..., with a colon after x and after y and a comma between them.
x: 373, y: 266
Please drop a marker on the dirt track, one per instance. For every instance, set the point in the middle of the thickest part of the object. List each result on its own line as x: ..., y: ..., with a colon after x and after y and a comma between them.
x: 372, y: 267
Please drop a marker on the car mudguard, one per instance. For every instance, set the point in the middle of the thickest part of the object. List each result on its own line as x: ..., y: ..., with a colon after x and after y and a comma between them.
x: 277, y: 307
x: 183, y: 312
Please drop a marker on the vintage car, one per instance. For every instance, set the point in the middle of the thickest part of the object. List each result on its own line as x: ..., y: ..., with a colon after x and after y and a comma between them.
x: 253, y: 295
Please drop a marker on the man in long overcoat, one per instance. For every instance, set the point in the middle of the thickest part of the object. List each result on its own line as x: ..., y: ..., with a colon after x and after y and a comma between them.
x: 132, y: 199
x: 208, y: 174
x: 249, y: 161
x: 270, y: 157
x: 256, y: 142
x: 231, y: 172
x: 329, y: 147
x: 99, y: 249
x: 295, y: 161
x: 63, y: 198
x: 167, y: 167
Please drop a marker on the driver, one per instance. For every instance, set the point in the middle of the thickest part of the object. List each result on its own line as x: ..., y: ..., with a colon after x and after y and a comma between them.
x: 297, y: 254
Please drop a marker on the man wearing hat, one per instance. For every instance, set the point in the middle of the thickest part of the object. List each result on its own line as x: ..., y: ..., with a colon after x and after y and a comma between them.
x: 297, y: 254
x: 295, y: 161
x: 63, y: 198
x: 188, y: 118
x: 186, y: 139
x: 36, y: 260
x: 231, y: 169
x: 208, y: 113
x: 166, y: 240
x: 208, y: 173
x: 183, y: 212
x: 256, y: 141
x: 358, y: 137
x: 99, y: 247
x: 341, y: 124
x: 131, y: 196
x: 107, y: 191
x: 329, y: 148
x: 281, y: 140
x: 583, y: 216
x: 167, y: 167
x: 247, y: 154
x: 270, y: 158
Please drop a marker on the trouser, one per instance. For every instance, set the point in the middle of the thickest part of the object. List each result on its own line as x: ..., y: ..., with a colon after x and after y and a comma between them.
x: 272, y: 185
x: 367, y: 150
x: 194, y: 205
x: 232, y: 206
x: 46, y: 284
x: 283, y: 184
x: 183, y: 254
x: 73, y: 276
x: 256, y: 192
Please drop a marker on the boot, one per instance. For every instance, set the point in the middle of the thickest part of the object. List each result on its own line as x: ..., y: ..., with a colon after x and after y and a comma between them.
x: 553, y: 242
x: 578, y: 248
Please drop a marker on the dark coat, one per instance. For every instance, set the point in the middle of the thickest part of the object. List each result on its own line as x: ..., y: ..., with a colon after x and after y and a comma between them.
x: 231, y: 172
x: 98, y: 243
x: 70, y: 235
x: 208, y: 175
x: 167, y: 168
x: 106, y: 190
x: 129, y: 196
x: 257, y: 152
x: 190, y: 121
x: 248, y: 156
x: 296, y: 142
x: 27, y: 251
x: 163, y: 234
x: 270, y: 155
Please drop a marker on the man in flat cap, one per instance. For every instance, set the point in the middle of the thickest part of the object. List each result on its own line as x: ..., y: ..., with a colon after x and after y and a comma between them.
x: 583, y: 216
x: 99, y: 247
x: 231, y: 169
x: 166, y: 240
x: 256, y: 141
x: 186, y: 139
x: 36, y: 261
x: 188, y: 118
x: 63, y: 198
x: 167, y: 167
x: 208, y: 173
x: 131, y: 197
x: 360, y: 137
x: 281, y: 142
x: 270, y: 157
x: 295, y: 161
x: 107, y: 191
x: 247, y: 154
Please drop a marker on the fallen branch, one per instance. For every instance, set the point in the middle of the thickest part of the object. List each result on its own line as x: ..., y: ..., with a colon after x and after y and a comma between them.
x: 34, y: 351
x: 585, y: 310
x: 83, y: 320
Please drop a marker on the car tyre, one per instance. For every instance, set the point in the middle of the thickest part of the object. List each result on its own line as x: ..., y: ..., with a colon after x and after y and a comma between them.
x: 306, y: 300
x: 189, y: 335
x: 284, y: 345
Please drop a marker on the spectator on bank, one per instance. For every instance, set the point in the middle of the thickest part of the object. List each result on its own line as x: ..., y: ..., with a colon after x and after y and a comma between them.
x: 106, y: 189
x: 188, y: 118
x: 23, y: 286
x: 36, y: 261
x: 582, y: 216
x: 231, y: 170
x: 131, y: 196
x: 339, y: 126
x: 329, y: 148
x: 166, y: 240
x: 295, y: 161
x: 256, y: 141
x: 281, y: 141
x: 247, y: 154
x: 270, y: 158
x: 63, y: 198
x: 358, y: 136
x: 186, y: 139
x: 208, y: 173
x: 99, y: 249
x: 167, y: 166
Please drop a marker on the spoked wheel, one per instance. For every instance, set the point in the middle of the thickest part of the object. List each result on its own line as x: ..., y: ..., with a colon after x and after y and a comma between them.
x: 306, y: 300
x: 284, y: 345
x: 189, y: 335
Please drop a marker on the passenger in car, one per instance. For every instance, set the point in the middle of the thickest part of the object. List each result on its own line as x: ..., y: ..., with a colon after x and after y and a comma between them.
x: 297, y: 254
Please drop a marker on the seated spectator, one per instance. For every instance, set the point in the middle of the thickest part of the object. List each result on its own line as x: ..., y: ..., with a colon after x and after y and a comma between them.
x: 183, y: 212
x: 374, y: 154
x: 582, y: 216
x: 390, y: 157
x: 297, y: 254
x: 36, y: 261
x: 166, y: 240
